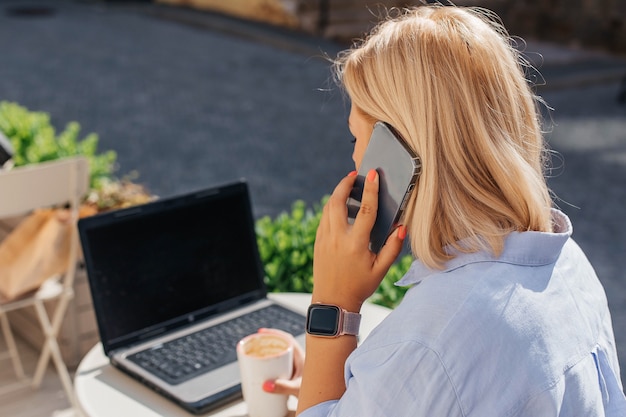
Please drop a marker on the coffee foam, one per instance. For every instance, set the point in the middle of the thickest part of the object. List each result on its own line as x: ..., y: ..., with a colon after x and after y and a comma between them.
x: 264, y: 346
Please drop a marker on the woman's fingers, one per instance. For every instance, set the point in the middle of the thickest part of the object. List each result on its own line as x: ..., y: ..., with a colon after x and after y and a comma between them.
x: 287, y: 386
x: 283, y: 386
x: 366, y: 216
x: 336, y: 208
x: 390, y: 250
x: 335, y: 215
x: 345, y: 271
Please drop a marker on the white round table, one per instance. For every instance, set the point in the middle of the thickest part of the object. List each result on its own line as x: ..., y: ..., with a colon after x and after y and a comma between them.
x: 103, y: 391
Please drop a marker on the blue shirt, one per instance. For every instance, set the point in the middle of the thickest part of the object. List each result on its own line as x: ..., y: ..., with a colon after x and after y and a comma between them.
x: 527, y: 333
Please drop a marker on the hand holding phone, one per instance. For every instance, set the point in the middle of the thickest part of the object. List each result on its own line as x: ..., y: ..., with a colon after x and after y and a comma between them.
x: 398, y: 168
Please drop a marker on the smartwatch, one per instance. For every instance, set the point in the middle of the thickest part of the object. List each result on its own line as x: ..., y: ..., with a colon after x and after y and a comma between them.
x: 329, y: 320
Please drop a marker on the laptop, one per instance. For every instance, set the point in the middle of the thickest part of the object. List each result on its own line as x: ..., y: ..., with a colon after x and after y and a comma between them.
x: 175, y: 284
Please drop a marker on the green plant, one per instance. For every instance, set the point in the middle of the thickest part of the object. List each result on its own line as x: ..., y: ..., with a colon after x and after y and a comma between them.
x: 388, y: 294
x: 34, y: 140
x: 286, y: 249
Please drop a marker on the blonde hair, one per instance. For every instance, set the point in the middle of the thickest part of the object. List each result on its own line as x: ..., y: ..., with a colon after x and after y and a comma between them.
x: 450, y: 82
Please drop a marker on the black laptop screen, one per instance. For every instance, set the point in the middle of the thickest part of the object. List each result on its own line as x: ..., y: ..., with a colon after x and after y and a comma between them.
x: 170, y: 262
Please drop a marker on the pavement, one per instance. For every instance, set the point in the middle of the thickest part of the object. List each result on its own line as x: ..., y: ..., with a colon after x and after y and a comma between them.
x: 191, y: 99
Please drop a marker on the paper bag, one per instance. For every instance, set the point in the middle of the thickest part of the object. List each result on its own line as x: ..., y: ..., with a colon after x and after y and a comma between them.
x: 37, y: 249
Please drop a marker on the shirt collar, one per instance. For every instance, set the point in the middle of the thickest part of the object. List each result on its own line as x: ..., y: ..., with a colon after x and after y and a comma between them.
x: 520, y: 248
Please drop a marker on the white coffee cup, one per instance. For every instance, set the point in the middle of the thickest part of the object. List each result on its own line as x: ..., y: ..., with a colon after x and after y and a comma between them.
x: 262, y: 357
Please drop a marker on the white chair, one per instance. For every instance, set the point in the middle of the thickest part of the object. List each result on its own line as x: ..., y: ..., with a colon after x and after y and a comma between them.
x: 22, y: 190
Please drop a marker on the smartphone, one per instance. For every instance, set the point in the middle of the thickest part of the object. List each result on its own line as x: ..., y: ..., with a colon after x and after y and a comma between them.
x: 398, y: 169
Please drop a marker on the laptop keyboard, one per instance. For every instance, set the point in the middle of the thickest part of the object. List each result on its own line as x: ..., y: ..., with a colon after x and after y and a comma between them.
x: 181, y: 359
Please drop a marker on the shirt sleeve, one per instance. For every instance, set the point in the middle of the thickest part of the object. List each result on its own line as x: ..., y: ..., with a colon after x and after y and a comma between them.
x: 399, y: 379
x: 321, y: 409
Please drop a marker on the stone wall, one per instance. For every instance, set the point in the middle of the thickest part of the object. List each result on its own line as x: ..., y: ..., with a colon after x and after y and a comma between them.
x: 344, y: 20
x: 598, y: 24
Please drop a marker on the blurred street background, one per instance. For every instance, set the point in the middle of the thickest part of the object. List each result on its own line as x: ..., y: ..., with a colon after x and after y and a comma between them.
x: 191, y: 98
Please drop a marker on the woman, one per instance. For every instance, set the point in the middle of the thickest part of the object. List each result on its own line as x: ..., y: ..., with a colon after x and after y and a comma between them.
x: 505, y: 316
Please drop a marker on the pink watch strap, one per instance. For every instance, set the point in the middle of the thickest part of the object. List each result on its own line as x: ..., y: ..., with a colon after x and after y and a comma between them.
x: 351, y: 323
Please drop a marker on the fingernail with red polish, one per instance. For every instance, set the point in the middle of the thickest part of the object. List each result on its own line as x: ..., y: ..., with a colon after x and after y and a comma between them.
x: 371, y: 176
x: 269, y: 386
x: 352, y: 174
x: 402, y: 232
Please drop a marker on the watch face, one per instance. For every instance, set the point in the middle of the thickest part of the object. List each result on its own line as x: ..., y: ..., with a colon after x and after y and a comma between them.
x: 323, y: 320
